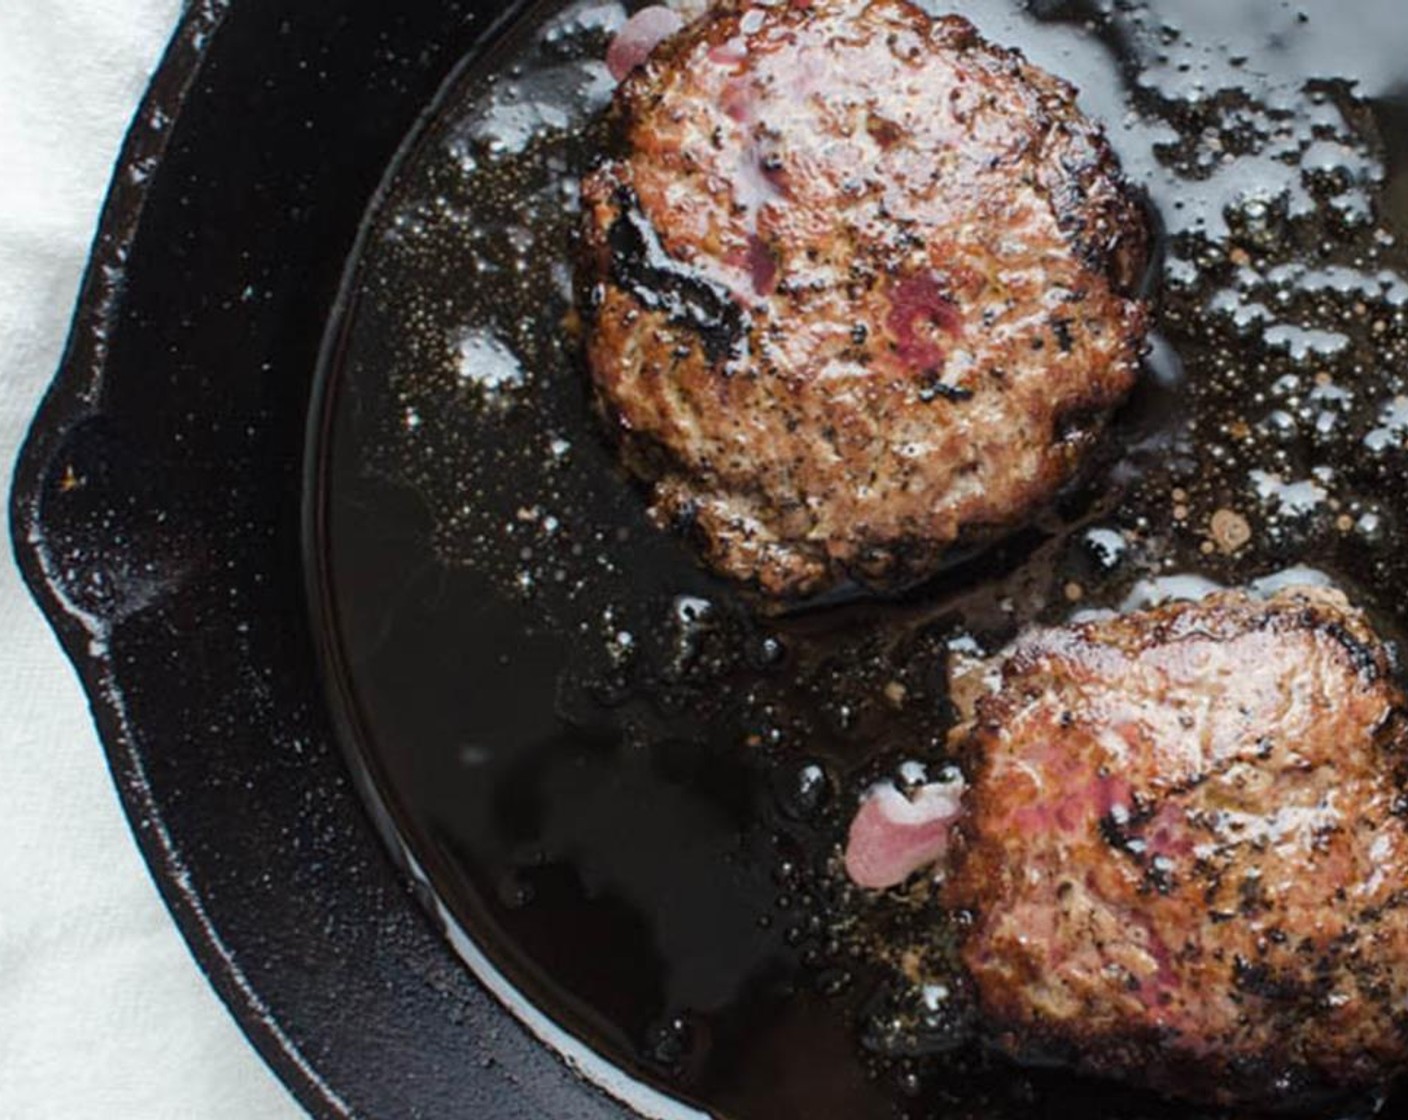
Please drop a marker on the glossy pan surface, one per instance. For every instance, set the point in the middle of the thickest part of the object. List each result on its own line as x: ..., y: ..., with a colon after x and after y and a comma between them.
x: 157, y: 517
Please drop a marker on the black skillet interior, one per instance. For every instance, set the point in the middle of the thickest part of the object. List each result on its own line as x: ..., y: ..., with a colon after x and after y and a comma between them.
x: 626, y: 779
x: 156, y: 515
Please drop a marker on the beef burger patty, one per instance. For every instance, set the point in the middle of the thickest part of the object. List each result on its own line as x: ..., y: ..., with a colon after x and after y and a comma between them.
x: 859, y: 287
x: 1184, y: 849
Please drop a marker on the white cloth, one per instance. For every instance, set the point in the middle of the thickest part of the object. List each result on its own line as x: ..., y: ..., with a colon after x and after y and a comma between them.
x: 103, y: 1013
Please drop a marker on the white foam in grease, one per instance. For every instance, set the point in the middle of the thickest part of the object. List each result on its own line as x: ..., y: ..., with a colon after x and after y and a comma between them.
x: 1185, y: 587
x: 1303, y: 343
x: 580, y: 1058
x: 1166, y: 589
x: 1392, y: 429
x: 1242, y: 311
x: 1239, y: 305
x: 1328, y: 156
x: 585, y: 17
x: 1296, y: 576
x: 1382, y: 284
x: 547, y: 101
x: 482, y: 359
x: 1297, y: 498
x: 1283, y: 132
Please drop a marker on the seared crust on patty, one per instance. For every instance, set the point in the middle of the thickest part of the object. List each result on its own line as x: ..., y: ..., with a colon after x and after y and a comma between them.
x: 859, y: 287
x: 1185, y: 852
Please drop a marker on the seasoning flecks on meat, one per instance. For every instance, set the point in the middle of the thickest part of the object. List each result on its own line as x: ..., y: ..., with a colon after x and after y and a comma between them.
x: 859, y: 288
x: 1184, y: 849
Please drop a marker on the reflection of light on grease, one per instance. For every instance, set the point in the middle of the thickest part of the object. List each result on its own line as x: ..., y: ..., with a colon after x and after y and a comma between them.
x: 1392, y: 430
x: 483, y: 361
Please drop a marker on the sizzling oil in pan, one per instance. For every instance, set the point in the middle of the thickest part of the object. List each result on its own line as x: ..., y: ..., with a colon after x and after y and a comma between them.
x: 628, y: 783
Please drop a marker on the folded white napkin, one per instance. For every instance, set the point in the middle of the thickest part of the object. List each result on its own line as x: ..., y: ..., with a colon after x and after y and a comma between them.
x: 103, y: 1013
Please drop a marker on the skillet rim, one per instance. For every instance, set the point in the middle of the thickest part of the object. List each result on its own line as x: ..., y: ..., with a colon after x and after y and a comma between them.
x: 71, y: 398
x: 519, y: 1075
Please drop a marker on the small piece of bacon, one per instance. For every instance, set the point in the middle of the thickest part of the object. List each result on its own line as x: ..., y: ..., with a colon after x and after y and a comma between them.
x: 894, y: 835
x: 638, y: 36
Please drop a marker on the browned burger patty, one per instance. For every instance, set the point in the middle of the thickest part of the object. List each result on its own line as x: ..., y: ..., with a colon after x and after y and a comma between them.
x: 858, y: 288
x: 1184, y: 849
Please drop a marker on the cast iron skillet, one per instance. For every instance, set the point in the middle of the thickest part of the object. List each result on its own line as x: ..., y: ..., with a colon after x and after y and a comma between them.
x: 156, y: 518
